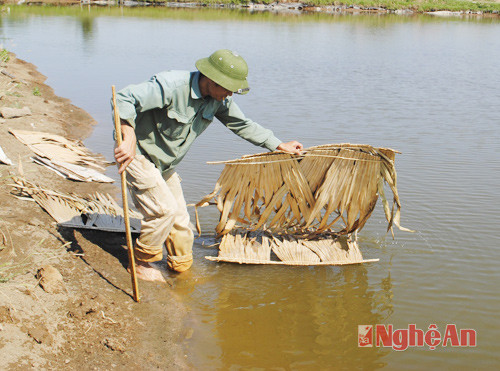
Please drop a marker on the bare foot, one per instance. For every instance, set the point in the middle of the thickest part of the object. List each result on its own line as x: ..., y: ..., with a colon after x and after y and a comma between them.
x: 146, y: 272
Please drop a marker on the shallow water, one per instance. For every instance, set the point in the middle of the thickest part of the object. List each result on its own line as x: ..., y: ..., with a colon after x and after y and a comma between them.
x: 423, y: 85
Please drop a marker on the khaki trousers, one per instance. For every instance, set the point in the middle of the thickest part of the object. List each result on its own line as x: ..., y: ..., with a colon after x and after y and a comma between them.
x: 165, y: 216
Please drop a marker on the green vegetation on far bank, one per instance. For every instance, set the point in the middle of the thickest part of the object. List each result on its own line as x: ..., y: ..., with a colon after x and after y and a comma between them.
x: 264, y: 9
x: 427, y: 5
x: 486, y: 6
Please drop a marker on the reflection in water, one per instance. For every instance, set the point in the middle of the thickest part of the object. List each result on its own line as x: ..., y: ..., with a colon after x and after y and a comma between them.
x: 200, y: 14
x: 289, y: 318
x: 87, y: 22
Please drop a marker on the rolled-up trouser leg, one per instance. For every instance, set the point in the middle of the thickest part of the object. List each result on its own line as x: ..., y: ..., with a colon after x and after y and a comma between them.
x: 179, y: 242
x: 158, y: 206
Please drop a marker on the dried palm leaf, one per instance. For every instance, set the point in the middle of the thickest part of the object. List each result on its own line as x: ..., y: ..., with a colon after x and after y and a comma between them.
x: 72, y: 171
x: 3, y: 158
x: 308, y: 201
x: 97, y: 211
x: 328, y: 184
x: 235, y: 248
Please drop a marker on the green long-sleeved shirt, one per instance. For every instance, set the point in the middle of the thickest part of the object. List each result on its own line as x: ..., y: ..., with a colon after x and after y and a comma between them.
x: 168, y: 113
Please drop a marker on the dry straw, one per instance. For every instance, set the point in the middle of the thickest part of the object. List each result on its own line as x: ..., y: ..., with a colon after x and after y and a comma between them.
x: 98, y: 211
x: 327, y: 192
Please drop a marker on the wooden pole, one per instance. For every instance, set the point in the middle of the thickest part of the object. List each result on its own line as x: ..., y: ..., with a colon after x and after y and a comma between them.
x: 131, y: 259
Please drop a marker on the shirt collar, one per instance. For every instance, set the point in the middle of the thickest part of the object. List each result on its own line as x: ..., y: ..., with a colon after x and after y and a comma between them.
x: 195, y: 86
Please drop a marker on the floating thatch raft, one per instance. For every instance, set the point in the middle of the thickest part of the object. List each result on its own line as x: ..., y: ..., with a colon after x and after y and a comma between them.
x: 304, y: 208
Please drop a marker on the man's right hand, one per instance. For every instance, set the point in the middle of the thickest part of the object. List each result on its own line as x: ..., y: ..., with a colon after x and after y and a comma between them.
x: 291, y: 147
x: 124, y: 153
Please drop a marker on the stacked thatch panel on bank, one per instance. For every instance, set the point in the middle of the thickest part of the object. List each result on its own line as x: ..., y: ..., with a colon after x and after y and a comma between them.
x: 68, y: 158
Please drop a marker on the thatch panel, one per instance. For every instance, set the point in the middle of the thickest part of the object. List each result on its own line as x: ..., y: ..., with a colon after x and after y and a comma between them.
x: 316, y: 191
x: 308, y: 200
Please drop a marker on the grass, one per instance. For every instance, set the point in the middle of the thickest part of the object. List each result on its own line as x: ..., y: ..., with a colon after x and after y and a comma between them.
x: 4, y: 55
x: 6, y: 88
x: 5, y: 276
x: 215, y: 13
x: 36, y: 92
x: 486, y: 6
x: 9, y: 269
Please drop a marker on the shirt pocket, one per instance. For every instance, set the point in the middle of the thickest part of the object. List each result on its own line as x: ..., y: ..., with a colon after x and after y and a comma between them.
x: 202, y: 122
x: 174, y: 124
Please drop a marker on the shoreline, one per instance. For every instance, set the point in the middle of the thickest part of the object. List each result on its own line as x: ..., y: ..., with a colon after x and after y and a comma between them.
x: 442, y: 8
x: 93, y: 321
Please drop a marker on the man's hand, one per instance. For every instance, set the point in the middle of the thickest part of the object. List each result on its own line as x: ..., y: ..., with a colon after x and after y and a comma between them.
x: 124, y: 154
x: 292, y: 147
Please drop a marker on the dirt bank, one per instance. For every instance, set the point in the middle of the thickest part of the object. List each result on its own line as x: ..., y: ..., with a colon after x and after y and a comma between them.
x: 92, y: 322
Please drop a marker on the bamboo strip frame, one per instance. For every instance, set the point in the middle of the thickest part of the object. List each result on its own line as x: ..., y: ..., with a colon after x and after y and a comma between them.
x: 269, y: 262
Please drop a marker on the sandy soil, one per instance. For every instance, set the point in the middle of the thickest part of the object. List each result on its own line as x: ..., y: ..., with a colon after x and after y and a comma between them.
x: 92, y: 323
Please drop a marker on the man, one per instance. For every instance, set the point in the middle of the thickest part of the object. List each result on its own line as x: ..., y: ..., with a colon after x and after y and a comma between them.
x: 160, y: 119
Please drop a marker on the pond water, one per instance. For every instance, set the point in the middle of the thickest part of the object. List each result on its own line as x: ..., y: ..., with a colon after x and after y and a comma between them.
x: 426, y: 86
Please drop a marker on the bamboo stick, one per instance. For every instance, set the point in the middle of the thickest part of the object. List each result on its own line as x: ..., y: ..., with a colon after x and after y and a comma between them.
x: 128, y: 234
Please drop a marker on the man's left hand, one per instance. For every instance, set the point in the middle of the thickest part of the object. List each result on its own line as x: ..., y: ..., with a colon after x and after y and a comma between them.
x: 292, y: 147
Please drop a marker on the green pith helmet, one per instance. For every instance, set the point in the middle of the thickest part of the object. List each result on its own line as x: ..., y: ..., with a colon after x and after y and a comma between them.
x: 226, y: 68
